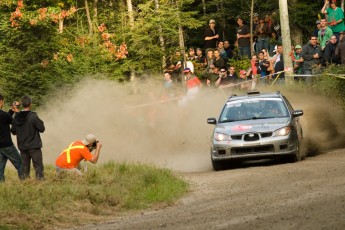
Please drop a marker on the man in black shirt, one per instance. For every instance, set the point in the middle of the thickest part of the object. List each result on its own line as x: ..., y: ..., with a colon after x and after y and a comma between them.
x: 7, y: 150
x: 243, y: 38
x: 211, y: 36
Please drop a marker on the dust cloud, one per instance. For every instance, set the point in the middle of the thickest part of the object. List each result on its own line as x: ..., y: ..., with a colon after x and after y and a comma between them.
x: 134, y: 125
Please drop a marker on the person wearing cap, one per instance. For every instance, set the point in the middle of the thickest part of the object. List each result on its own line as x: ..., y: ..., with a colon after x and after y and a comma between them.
x: 297, y: 60
x: 340, y: 50
x: 325, y: 33
x: 28, y: 126
x: 211, y: 36
x: 77, y: 151
x: 318, y: 26
x: 192, y: 82
x: 243, y: 38
x: 335, y: 16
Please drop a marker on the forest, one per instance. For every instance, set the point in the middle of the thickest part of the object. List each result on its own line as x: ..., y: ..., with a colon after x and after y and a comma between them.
x: 48, y: 44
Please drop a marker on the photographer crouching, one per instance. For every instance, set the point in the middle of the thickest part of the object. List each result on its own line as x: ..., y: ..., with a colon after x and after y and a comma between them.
x: 69, y: 159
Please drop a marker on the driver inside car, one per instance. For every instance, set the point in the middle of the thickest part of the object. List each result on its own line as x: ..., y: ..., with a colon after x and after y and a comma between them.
x: 272, y: 110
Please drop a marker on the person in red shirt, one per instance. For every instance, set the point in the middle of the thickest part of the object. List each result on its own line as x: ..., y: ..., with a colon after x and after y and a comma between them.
x: 192, y: 82
x: 77, y: 151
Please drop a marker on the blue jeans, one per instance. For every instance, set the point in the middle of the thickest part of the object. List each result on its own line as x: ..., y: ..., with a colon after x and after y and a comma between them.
x: 12, y: 154
x: 244, y: 51
x: 262, y: 43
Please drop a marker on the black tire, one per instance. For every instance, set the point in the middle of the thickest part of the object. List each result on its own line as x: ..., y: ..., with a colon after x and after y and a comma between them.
x: 297, y: 156
x: 217, y: 165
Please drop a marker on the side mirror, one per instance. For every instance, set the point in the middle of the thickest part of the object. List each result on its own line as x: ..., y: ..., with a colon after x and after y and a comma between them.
x: 212, y: 121
x: 297, y: 113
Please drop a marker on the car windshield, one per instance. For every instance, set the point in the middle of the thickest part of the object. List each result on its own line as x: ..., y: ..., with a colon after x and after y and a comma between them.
x: 258, y: 108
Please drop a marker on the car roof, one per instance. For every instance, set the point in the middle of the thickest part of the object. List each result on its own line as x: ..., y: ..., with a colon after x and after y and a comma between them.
x: 255, y: 94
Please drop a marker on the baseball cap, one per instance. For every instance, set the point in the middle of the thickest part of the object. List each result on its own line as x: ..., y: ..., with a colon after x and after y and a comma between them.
x: 275, y: 49
x: 298, y: 47
x: 90, y: 138
x: 243, y: 72
x: 318, y: 22
x: 212, y: 21
x: 186, y: 70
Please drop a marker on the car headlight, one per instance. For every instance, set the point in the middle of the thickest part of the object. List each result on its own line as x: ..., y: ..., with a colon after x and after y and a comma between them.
x: 283, y: 131
x: 222, y: 137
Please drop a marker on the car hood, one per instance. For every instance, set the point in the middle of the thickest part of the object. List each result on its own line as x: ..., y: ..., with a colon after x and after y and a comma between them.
x: 260, y: 125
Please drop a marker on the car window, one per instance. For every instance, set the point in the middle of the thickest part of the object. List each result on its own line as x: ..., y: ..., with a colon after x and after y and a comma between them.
x: 258, y: 108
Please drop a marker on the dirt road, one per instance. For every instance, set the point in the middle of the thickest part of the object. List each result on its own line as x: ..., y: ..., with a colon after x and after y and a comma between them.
x: 304, y: 195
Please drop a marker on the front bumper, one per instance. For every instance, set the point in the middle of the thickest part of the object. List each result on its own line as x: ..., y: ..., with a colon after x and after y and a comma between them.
x: 239, y: 149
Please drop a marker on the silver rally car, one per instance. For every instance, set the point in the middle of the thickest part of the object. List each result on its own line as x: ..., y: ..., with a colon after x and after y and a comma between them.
x: 256, y: 126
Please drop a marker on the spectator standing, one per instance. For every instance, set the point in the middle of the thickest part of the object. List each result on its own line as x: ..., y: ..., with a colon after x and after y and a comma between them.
x: 69, y: 159
x: 297, y: 60
x: 340, y: 50
x: 222, y: 52
x: 223, y: 78
x: 232, y: 74
x: 311, y: 54
x: 243, y: 38
x: 211, y: 36
x: 7, y: 150
x: 191, y: 54
x: 278, y: 62
x: 264, y: 64
x: 192, y: 82
x: 228, y: 50
x: 262, y: 32
x: 324, y: 34
x: 335, y: 16
x: 329, y: 56
x: 200, y: 58
x: 317, y: 29
x: 28, y: 126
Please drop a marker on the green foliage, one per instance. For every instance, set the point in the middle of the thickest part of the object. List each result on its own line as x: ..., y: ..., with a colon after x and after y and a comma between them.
x: 69, y: 199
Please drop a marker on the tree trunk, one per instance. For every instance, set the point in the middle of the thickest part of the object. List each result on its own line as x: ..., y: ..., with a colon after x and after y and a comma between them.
x: 131, y: 27
x: 60, y: 25
x: 203, y: 7
x: 130, y: 14
x: 251, y: 29
x: 285, y: 28
x: 95, y: 12
x: 89, y: 21
x: 161, y: 39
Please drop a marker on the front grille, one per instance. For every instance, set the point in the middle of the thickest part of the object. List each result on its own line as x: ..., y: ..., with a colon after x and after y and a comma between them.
x: 236, y: 137
x: 247, y: 136
x: 251, y: 137
x: 252, y: 150
x: 268, y: 134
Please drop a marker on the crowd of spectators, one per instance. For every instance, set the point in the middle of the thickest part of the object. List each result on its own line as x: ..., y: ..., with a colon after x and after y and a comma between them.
x: 212, y: 64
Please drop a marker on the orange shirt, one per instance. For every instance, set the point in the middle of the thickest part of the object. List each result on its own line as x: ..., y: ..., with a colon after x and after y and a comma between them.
x: 193, y: 82
x: 77, y: 151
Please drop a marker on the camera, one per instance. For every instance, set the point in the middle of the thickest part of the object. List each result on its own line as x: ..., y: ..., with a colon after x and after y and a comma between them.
x: 94, y: 145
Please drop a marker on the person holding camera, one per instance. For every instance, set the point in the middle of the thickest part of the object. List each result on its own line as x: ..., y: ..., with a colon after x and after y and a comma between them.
x: 7, y: 149
x: 77, y: 151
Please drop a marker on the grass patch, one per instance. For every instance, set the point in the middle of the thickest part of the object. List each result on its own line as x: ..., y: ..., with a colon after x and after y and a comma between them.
x: 104, y: 190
